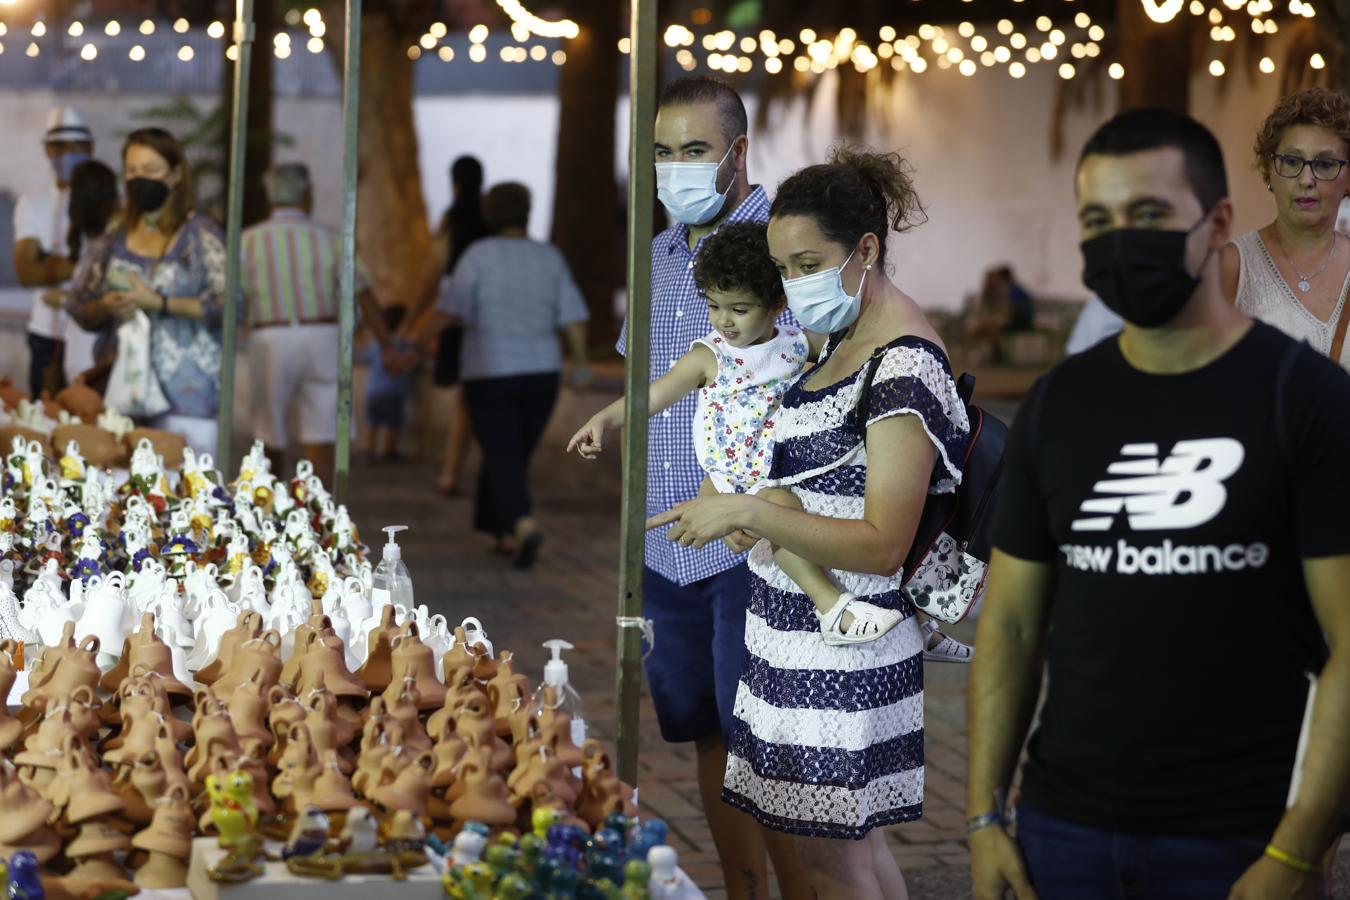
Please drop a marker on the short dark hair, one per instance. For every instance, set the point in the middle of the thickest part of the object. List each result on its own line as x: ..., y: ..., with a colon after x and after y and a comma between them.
x: 507, y: 206
x: 856, y: 192
x: 736, y: 258
x: 694, y: 90
x: 467, y: 173
x: 1139, y: 130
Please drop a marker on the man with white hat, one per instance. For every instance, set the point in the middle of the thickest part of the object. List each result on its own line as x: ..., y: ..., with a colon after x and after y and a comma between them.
x: 40, y: 234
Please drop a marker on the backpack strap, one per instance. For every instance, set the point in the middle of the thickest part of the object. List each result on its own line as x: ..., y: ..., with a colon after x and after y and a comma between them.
x: 1338, y: 339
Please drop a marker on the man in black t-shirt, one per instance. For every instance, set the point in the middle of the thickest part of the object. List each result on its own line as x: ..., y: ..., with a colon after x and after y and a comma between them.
x: 1192, y: 470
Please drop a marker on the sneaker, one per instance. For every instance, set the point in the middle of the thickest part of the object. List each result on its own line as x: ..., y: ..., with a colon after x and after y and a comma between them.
x: 869, y: 621
x: 949, y: 649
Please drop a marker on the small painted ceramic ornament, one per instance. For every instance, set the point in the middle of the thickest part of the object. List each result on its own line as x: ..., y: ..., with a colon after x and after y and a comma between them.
x: 25, y: 880
x: 254, y: 463
x: 360, y: 833
x: 72, y: 463
x: 309, y: 836
x: 233, y: 810
x: 176, y: 552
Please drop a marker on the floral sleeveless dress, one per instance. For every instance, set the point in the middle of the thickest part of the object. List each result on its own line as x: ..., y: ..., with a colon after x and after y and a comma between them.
x: 734, y: 423
x: 828, y: 741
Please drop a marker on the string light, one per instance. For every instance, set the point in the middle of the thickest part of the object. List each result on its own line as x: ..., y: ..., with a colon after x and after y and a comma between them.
x: 185, y: 53
x: 1216, y: 67
x: 1267, y: 65
x: 216, y: 30
x: 181, y: 26
x: 32, y: 49
x: 414, y: 53
x: 315, y: 45
x: 1116, y: 71
x: 1317, y: 62
x: 1067, y: 71
x: 39, y: 29
x: 232, y: 53
x: 446, y: 54
x: 478, y: 34
x: 88, y: 52
x: 76, y: 28
x: 1161, y: 12
x: 1017, y: 70
x: 427, y: 41
x: 538, y: 53
x: 562, y: 28
x: 147, y: 27
x: 477, y: 53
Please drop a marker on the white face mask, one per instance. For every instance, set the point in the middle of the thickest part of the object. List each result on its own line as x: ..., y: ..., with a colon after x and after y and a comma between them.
x: 820, y: 302
x: 688, y: 190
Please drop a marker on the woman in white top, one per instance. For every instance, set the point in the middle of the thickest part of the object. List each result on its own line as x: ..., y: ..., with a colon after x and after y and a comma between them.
x: 1295, y: 272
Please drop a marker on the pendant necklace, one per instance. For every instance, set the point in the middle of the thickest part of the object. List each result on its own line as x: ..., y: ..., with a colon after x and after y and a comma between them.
x: 1305, y: 281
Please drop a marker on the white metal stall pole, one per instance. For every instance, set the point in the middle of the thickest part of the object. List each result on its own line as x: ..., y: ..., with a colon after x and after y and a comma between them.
x: 351, y: 99
x: 234, y: 221
x: 641, y: 190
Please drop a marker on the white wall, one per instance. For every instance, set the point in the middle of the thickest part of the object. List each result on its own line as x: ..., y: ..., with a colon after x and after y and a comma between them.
x: 980, y: 147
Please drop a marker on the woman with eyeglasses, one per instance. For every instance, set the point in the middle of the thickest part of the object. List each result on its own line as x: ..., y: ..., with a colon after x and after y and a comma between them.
x: 1294, y: 273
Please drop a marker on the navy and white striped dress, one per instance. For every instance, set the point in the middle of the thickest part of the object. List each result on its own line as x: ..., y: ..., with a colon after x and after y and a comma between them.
x: 828, y: 741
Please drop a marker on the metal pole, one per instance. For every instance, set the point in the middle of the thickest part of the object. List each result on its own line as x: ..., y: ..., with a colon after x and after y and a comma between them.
x: 234, y: 220
x: 641, y: 189
x: 351, y: 97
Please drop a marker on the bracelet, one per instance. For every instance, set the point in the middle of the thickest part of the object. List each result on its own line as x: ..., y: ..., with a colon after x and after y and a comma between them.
x: 163, y: 304
x: 983, y: 821
x: 1297, y: 864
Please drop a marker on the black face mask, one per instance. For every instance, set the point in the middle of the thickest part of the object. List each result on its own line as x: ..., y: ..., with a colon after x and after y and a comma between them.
x: 147, y: 194
x: 1140, y: 273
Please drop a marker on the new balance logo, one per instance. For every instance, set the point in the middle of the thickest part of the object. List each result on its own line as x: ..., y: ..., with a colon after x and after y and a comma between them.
x: 1183, y: 490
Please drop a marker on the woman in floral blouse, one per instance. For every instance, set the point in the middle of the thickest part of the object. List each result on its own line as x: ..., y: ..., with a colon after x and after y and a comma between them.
x: 169, y: 262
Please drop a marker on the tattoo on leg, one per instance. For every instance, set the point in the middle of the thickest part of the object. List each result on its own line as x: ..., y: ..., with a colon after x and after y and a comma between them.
x: 751, y: 884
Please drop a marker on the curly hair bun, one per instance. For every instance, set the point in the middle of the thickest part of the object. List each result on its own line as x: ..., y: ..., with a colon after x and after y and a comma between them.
x: 889, y: 177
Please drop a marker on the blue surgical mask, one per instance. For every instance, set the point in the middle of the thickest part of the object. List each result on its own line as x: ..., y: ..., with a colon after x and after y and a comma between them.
x: 688, y: 190
x: 66, y: 163
x: 820, y: 302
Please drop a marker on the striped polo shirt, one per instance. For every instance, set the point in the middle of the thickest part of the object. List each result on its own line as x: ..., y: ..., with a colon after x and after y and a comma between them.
x: 290, y: 270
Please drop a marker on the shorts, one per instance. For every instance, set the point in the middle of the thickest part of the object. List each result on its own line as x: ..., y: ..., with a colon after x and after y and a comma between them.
x: 385, y: 410
x: 294, y: 365
x: 699, y: 657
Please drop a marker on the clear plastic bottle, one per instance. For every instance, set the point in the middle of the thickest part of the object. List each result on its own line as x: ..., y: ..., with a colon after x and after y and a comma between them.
x: 558, y: 695
x: 392, y: 583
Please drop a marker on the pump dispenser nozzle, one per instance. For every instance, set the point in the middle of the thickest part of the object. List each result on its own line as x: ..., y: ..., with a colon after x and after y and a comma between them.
x: 392, y: 549
x: 555, y: 670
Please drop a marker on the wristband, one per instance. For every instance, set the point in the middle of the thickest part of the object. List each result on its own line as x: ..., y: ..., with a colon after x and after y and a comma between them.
x: 983, y: 821
x: 1288, y: 859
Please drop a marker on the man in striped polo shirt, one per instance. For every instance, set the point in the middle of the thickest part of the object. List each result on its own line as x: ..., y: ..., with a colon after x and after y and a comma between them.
x: 290, y: 280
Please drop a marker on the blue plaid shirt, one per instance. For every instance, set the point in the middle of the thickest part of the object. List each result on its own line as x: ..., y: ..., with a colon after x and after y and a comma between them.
x: 680, y: 317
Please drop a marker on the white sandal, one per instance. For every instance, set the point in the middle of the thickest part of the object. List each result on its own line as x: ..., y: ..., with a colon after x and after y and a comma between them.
x: 949, y: 649
x: 869, y: 621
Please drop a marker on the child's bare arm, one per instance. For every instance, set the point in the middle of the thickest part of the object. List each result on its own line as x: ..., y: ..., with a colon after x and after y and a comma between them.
x: 695, y: 369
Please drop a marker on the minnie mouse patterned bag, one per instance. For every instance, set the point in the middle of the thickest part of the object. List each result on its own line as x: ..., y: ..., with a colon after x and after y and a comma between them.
x: 946, y: 567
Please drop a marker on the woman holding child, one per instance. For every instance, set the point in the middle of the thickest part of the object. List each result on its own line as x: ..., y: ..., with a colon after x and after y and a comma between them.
x: 829, y: 740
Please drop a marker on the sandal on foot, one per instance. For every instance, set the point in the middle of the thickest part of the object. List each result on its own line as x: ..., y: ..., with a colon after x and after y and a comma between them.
x: 869, y: 621
x: 949, y: 649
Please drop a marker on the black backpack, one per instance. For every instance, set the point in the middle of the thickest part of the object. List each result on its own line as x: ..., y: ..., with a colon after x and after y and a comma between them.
x: 945, y: 569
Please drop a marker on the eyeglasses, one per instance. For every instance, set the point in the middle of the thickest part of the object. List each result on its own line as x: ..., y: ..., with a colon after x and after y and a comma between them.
x: 1323, y: 168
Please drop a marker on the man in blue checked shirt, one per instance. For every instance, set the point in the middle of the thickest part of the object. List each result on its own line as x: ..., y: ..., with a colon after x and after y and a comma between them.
x: 697, y: 598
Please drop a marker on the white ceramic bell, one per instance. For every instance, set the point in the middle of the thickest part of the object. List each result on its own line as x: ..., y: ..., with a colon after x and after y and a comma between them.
x: 11, y: 625
x: 169, y: 613
x: 104, y: 616
x: 168, y: 635
x: 218, y: 617
x: 53, y: 616
x: 476, y: 635
x: 439, y: 638
x: 356, y: 599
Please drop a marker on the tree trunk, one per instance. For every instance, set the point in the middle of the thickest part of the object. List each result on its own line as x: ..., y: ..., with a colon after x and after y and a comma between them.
x: 1157, y: 59
x: 392, y: 235
x: 588, y: 214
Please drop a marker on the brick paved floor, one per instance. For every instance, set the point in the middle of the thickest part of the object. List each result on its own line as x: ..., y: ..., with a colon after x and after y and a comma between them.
x: 572, y: 593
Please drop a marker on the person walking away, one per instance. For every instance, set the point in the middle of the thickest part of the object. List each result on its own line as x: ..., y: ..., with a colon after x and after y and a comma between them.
x: 1194, y: 465
x: 168, y: 262
x: 40, y: 230
x: 461, y: 225
x: 290, y: 281
x: 1294, y: 273
x: 697, y: 598
x: 513, y: 296
x: 387, y: 392
x: 828, y: 743
x: 93, y: 208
